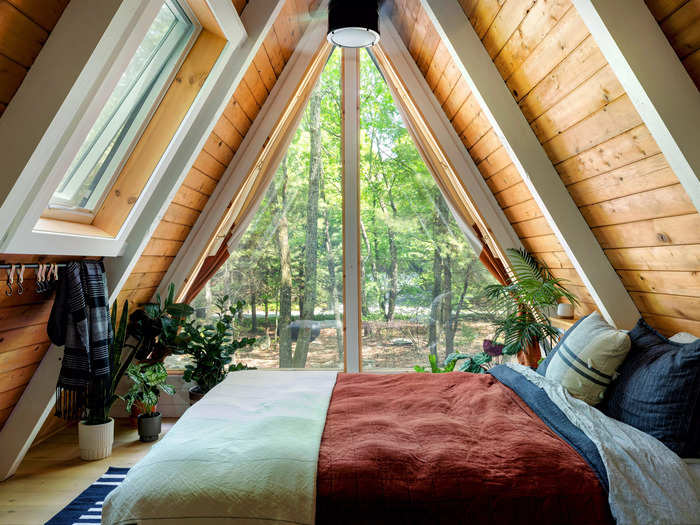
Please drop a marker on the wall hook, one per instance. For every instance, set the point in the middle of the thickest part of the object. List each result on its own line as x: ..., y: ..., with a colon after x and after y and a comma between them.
x: 10, y: 281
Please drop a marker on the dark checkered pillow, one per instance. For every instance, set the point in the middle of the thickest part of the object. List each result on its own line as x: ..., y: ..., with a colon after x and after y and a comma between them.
x: 658, y: 390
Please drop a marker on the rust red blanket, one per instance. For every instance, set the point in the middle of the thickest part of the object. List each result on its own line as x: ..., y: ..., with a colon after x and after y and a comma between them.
x: 447, y: 449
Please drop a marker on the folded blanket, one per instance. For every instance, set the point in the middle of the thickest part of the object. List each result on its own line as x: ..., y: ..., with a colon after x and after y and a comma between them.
x: 246, y: 454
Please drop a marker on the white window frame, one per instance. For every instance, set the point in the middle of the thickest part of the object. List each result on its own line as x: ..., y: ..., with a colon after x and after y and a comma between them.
x: 110, y: 31
x: 170, y: 65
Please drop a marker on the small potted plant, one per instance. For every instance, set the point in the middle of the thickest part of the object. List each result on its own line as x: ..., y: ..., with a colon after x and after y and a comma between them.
x: 96, y: 431
x: 148, y: 380
x: 211, y: 348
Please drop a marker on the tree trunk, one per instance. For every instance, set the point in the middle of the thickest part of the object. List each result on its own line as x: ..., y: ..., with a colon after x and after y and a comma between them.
x: 284, y: 317
x: 253, y: 312
x: 311, y: 244
x: 447, y: 305
x: 363, y: 261
x: 332, y: 285
x: 208, y: 296
x: 453, y: 324
x: 435, y: 305
x: 393, y: 276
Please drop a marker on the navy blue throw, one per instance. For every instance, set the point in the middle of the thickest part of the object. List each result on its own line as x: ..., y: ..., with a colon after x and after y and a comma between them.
x: 658, y: 390
x: 87, y: 508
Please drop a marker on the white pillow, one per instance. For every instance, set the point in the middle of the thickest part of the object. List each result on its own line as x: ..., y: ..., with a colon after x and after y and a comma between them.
x: 587, y: 360
x: 683, y: 338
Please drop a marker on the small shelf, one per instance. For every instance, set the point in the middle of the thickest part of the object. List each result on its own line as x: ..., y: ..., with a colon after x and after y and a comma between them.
x: 563, y: 323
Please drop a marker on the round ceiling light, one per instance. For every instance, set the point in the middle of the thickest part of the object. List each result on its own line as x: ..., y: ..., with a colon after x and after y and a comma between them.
x: 353, y: 23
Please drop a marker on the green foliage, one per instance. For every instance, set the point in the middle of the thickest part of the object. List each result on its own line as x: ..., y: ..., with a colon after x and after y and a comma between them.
x: 520, y: 307
x: 212, y: 347
x: 434, y: 368
x: 118, y: 363
x: 471, y: 363
x: 157, y: 328
x: 148, y: 380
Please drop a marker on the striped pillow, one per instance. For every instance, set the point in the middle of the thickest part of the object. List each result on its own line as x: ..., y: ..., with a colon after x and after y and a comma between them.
x: 586, y: 362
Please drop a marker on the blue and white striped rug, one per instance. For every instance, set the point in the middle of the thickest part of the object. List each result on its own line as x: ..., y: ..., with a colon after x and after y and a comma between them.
x: 87, y: 508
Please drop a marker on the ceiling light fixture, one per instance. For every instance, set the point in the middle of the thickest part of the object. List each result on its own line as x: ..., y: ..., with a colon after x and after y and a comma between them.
x: 353, y: 23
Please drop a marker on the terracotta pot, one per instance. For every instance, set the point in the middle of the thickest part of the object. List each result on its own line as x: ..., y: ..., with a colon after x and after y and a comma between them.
x: 195, y: 394
x: 95, y: 441
x: 530, y: 356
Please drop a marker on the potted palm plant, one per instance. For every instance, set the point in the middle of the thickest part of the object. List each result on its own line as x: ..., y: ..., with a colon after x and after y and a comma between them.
x: 148, y: 380
x: 96, y: 431
x: 522, y: 307
x: 211, y: 348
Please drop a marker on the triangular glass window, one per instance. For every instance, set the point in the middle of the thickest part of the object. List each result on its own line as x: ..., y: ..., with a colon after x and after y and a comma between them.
x: 287, y: 266
x: 422, y: 284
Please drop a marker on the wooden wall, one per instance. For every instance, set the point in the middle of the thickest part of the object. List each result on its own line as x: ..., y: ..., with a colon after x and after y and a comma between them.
x: 218, y: 152
x: 24, y: 27
x: 594, y: 137
x: 680, y: 22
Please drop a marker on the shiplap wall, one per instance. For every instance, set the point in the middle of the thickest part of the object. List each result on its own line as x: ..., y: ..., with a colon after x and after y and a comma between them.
x: 218, y: 152
x: 594, y: 137
x: 24, y: 27
x: 680, y: 22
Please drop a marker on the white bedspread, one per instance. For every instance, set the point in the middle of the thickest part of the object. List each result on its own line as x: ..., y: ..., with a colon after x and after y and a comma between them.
x: 649, y: 484
x: 247, y: 453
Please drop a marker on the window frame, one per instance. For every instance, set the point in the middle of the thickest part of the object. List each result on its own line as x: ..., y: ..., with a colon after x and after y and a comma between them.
x: 93, y: 42
x: 171, y: 62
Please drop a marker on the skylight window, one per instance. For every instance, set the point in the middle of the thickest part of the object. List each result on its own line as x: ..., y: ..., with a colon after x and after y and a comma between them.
x: 127, y: 111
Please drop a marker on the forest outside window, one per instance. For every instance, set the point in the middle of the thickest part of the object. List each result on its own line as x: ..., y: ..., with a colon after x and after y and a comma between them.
x: 421, y: 284
x: 123, y: 118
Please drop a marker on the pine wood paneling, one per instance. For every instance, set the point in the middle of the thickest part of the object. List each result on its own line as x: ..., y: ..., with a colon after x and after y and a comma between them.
x: 680, y: 22
x: 217, y: 154
x: 592, y: 133
x: 24, y: 27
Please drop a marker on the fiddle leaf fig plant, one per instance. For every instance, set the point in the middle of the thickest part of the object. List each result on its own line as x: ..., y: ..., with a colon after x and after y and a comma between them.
x: 212, y: 347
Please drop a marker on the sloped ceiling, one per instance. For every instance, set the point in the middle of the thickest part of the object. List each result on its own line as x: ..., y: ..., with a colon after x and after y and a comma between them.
x: 218, y: 152
x: 680, y: 22
x: 613, y: 169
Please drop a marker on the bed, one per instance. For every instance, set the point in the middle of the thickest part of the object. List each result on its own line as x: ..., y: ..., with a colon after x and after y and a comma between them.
x: 320, y: 447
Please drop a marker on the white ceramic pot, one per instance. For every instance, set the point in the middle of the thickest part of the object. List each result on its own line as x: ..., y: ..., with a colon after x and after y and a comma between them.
x: 95, y: 441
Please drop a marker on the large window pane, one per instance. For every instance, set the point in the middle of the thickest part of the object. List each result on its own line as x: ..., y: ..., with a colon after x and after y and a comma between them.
x: 119, y: 123
x: 422, y: 284
x: 288, y: 265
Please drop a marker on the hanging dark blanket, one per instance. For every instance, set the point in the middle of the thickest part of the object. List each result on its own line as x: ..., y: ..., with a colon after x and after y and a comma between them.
x: 80, y: 322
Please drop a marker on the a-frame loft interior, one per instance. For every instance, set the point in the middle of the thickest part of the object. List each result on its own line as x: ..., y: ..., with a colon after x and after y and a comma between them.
x: 198, y: 192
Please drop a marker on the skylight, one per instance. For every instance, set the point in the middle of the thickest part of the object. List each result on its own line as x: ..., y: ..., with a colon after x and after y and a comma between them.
x: 128, y: 109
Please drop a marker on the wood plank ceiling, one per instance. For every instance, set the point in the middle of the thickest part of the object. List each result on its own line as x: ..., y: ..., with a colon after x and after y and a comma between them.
x: 24, y: 28
x: 680, y: 22
x: 218, y: 152
x: 596, y: 140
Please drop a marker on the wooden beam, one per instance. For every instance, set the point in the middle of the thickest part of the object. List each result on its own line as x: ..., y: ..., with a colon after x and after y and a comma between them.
x: 450, y: 154
x: 29, y: 413
x: 537, y: 171
x: 352, y: 282
x: 249, y: 158
x: 654, y: 78
x: 257, y: 18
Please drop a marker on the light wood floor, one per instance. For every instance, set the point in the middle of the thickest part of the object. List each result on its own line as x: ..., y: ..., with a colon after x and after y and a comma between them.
x: 52, y: 473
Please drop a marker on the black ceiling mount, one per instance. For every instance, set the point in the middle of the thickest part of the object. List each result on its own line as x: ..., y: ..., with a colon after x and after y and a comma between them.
x: 353, y: 23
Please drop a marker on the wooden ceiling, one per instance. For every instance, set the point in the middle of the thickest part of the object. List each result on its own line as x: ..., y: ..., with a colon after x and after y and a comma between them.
x: 585, y: 122
x: 593, y: 135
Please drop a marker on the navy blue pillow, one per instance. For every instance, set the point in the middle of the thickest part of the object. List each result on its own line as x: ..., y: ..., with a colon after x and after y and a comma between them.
x: 658, y: 390
x: 542, y: 369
